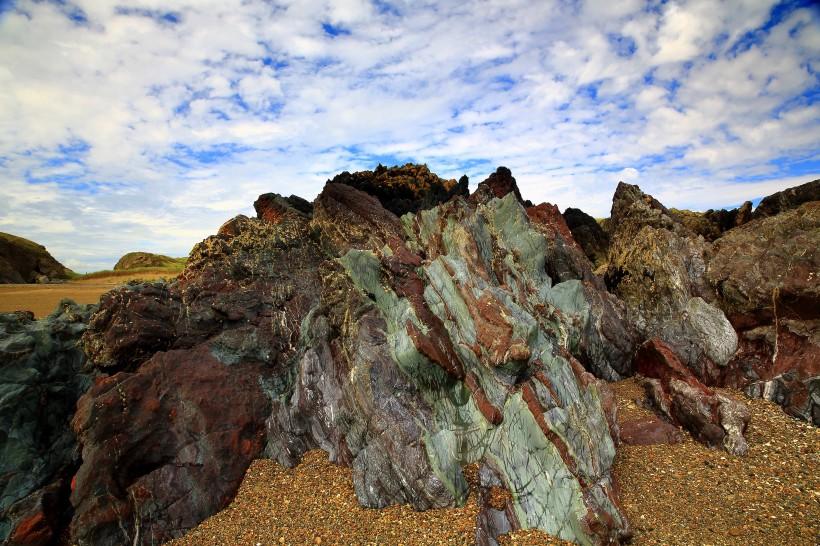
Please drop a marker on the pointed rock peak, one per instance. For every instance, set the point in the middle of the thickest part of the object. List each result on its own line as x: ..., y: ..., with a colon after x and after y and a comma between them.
x: 498, y: 184
x: 404, y: 189
x: 271, y: 207
x: 632, y: 209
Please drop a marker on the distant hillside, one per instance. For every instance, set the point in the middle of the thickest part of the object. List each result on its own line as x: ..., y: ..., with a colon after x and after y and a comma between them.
x: 134, y: 260
x: 24, y: 261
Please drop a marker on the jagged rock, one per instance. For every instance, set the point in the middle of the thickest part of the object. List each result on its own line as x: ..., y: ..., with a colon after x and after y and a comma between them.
x: 565, y: 260
x: 787, y: 199
x: 712, y: 418
x: 765, y: 273
x: 589, y: 234
x: 453, y: 355
x: 40, y: 382
x: 406, y: 348
x: 166, y: 446
x: 166, y: 442
x: 657, y: 267
x: 649, y: 431
x: 24, y: 261
x: 770, y: 265
x: 409, y: 188
x: 497, y: 185
x: 146, y: 259
x: 271, y: 207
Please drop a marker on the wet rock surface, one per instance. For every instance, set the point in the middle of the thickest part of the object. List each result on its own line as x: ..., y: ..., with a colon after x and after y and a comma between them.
x: 41, y: 379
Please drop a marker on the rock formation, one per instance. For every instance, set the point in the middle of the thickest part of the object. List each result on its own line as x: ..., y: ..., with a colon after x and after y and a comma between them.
x: 787, y: 199
x: 409, y: 188
x: 41, y: 379
x: 766, y: 277
x: 134, y: 260
x: 406, y: 348
x: 24, y: 261
x: 657, y: 267
x: 589, y: 234
x: 711, y: 417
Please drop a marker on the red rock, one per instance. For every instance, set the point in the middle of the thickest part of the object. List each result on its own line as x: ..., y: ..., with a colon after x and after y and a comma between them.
x: 649, y: 431
x: 712, y: 418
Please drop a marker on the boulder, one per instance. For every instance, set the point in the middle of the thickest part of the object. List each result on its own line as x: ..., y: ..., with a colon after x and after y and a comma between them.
x: 589, y: 234
x: 24, y: 261
x: 711, y: 417
x: 41, y: 379
x: 649, y: 430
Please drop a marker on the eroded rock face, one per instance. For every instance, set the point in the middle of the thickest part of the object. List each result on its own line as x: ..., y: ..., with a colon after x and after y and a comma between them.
x: 195, y: 363
x: 765, y: 274
x: 657, y: 267
x: 40, y: 381
x: 589, y: 234
x: 455, y: 354
x: 407, y: 348
x: 712, y: 418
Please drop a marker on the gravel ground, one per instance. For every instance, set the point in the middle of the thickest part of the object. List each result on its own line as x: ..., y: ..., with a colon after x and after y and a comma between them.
x: 672, y: 494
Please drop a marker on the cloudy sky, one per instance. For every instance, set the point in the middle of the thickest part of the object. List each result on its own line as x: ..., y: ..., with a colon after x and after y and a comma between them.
x: 144, y: 125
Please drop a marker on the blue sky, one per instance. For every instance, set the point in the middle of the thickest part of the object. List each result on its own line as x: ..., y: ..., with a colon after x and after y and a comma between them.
x: 144, y: 125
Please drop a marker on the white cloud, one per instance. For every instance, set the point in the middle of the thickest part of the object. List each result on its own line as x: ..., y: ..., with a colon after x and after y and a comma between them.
x: 178, y: 123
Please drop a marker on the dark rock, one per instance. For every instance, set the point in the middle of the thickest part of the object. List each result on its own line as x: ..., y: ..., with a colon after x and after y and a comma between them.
x: 166, y: 446
x: 770, y: 266
x: 409, y: 188
x: 40, y: 382
x: 24, y: 261
x: 649, y: 431
x: 270, y: 207
x: 765, y: 273
x: 497, y: 185
x: 712, y: 418
x: 787, y: 199
x: 565, y: 260
x: 589, y: 234
x: 657, y: 268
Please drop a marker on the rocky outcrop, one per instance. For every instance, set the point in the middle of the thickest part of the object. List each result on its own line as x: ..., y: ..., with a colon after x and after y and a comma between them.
x: 565, y: 259
x: 167, y: 438
x: 406, y: 348
x: 765, y: 274
x: 497, y: 185
x: 41, y: 379
x: 657, y: 267
x: 589, y: 234
x: 409, y: 188
x: 787, y: 199
x: 649, y: 431
x: 134, y: 260
x: 711, y: 417
x: 24, y: 261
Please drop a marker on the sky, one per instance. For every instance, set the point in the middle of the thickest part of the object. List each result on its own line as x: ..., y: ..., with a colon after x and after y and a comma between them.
x: 145, y: 125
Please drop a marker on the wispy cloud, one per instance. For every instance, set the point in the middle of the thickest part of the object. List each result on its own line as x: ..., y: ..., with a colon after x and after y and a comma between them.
x: 143, y: 125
